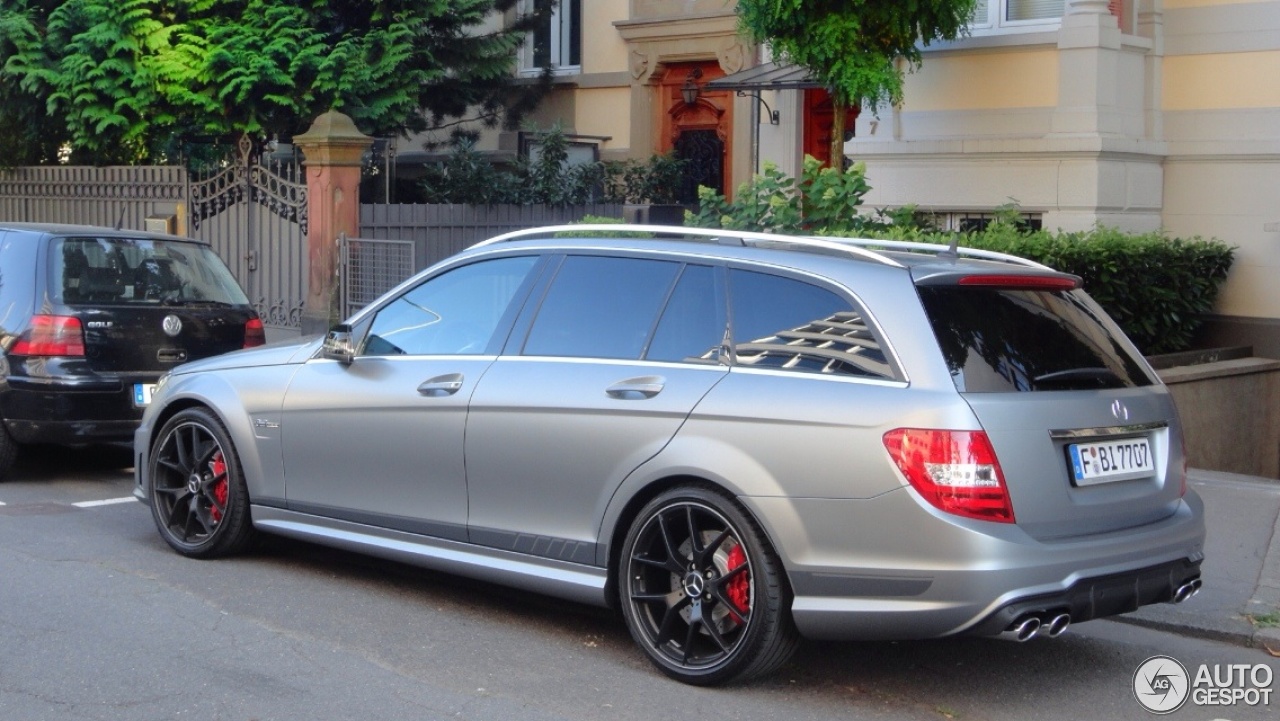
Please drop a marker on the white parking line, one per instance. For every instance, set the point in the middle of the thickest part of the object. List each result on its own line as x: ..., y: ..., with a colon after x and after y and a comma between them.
x: 107, y: 502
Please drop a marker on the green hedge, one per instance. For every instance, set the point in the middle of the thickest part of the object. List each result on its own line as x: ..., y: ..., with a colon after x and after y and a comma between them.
x: 1157, y: 288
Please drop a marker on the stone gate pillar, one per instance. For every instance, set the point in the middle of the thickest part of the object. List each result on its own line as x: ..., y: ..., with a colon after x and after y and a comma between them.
x: 333, y: 148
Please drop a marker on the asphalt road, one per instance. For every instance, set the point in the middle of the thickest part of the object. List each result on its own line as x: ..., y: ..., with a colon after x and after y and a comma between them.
x: 100, y: 620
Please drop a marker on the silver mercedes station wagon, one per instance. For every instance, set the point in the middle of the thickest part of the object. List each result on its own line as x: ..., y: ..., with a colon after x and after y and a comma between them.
x: 738, y: 439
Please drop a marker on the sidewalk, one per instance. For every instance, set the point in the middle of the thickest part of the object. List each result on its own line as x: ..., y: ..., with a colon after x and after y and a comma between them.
x: 1241, y: 570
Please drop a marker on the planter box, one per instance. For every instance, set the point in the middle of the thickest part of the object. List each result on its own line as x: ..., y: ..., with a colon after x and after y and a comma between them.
x: 1230, y: 411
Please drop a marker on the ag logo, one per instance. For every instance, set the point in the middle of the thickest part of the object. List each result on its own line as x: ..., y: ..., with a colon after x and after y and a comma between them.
x: 1161, y: 684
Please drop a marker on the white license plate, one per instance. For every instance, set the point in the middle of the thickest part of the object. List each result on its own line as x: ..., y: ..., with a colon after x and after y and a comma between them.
x: 142, y: 393
x: 1108, y: 461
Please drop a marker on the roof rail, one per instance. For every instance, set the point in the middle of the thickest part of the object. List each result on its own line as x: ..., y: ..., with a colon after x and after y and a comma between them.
x: 858, y: 247
x: 917, y: 247
x: 744, y: 236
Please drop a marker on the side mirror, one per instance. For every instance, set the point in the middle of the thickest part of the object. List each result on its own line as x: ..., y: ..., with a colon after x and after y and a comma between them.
x: 338, y: 345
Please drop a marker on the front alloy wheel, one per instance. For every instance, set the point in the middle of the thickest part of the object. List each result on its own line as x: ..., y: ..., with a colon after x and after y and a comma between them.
x: 198, y: 496
x: 702, y: 592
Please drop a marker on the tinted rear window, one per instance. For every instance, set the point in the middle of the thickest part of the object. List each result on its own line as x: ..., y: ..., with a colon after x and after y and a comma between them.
x: 137, y: 271
x: 997, y: 340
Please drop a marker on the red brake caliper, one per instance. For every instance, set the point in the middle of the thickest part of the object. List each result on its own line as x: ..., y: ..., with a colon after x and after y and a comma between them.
x: 739, y: 587
x: 218, y: 467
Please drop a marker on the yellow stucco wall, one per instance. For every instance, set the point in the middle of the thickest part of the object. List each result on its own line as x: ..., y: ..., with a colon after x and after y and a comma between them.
x: 1208, y: 82
x: 603, y: 111
x: 603, y: 50
x: 972, y: 80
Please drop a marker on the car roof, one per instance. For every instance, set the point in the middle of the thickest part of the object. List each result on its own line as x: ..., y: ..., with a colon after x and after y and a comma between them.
x: 70, y: 229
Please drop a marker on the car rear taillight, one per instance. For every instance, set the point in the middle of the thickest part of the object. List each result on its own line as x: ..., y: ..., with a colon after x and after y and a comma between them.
x: 254, y: 335
x: 51, y: 335
x: 956, y: 471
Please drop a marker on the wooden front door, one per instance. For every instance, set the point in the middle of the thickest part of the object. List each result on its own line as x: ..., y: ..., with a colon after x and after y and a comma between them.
x: 701, y: 132
x: 819, y: 118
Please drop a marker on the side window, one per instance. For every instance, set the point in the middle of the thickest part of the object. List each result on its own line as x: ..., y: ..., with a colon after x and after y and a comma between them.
x: 601, y: 307
x: 693, y: 324
x: 451, y: 314
x: 17, y: 273
x: 785, y: 323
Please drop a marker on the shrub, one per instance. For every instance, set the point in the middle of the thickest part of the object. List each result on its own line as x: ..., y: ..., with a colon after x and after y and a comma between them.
x: 1156, y: 288
x: 822, y: 198
x: 469, y: 177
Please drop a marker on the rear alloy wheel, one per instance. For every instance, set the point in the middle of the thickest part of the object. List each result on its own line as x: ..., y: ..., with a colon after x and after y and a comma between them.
x: 702, y: 592
x: 198, y: 496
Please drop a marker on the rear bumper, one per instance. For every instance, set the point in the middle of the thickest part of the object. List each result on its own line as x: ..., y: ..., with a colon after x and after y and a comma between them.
x: 889, y: 569
x: 1099, y: 597
x: 72, y: 411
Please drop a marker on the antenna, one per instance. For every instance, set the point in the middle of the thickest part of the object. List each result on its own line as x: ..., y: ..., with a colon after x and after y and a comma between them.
x: 120, y: 222
x: 953, y: 250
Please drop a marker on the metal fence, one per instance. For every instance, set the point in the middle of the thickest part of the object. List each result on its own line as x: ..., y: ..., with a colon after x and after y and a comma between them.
x: 439, y: 231
x: 125, y: 195
x: 370, y: 268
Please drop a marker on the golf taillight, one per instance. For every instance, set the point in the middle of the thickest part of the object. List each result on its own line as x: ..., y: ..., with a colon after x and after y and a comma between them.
x: 51, y: 335
x: 955, y: 471
x: 254, y: 335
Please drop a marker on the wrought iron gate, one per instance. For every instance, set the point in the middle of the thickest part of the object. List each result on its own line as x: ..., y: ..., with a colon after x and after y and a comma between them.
x: 704, y: 151
x: 253, y: 211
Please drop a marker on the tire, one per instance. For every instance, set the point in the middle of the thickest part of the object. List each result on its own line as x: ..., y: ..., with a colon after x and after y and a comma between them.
x: 198, y: 496
x: 702, y: 591
x: 8, y: 451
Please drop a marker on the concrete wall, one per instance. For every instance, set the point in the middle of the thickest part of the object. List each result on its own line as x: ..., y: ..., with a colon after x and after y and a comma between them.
x: 1230, y: 414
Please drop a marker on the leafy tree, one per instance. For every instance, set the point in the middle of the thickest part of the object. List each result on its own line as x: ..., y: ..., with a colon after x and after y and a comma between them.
x: 120, y: 80
x: 852, y: 46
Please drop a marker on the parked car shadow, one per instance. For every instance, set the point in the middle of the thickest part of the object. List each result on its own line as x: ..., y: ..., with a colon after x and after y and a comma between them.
x: 47, y: 463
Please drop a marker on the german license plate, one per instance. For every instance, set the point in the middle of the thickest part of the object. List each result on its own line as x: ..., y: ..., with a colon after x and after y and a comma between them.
x: 142, y: 394
x: 1109, y: 461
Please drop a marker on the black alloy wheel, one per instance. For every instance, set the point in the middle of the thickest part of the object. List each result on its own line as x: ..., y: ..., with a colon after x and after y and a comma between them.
x: 196, y: 487
x: 702, y: 592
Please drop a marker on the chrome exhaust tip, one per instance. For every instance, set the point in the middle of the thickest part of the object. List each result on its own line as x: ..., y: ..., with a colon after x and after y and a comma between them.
x: 1058, y: 625
x: 1186, y: 590
x: 1022, y: 630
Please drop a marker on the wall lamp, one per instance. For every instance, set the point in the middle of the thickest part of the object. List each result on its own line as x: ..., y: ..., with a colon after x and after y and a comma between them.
x: 689, y: 90
x: 774, y: 116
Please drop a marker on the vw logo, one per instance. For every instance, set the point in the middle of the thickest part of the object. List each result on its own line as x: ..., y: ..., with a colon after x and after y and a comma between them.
x: 694, y: 585
x: 172, y: 325
x: 1119, y: 410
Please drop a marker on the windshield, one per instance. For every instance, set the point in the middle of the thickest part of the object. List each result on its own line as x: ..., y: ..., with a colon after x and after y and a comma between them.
x: 136, y: 271
x: 1001, y: 340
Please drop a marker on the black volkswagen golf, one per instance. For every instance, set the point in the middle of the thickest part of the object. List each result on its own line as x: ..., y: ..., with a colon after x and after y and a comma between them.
x: 90, y: 318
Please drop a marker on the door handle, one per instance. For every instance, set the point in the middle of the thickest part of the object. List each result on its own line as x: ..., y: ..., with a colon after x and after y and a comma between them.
x: 634, y: 389
x: 445, y: 385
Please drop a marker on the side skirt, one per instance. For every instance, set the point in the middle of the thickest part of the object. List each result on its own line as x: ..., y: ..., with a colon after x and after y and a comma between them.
x: 570, y: 581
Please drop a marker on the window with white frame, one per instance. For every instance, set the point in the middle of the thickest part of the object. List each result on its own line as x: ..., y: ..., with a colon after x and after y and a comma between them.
x: 996, y: 16
x: 1013, y: 15
x: 557, y: 43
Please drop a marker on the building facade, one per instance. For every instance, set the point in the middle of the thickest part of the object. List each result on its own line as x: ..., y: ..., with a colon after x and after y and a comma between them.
x: 1140, y: 114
